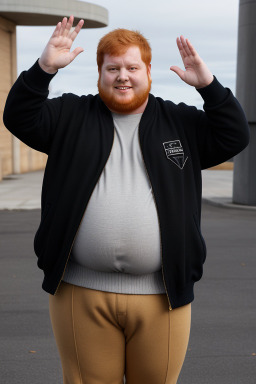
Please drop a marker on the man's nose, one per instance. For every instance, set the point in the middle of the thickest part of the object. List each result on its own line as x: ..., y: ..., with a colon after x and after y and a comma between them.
x: 122, y: 75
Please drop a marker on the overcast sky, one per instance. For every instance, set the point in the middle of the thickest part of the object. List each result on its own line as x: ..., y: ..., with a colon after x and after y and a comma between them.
x: 211, y: 26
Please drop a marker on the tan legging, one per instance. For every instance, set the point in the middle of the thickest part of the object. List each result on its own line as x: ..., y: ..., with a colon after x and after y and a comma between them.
x: 102, y: 336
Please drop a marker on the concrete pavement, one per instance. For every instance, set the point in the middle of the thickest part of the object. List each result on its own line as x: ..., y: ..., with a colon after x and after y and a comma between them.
x: 21, y: 191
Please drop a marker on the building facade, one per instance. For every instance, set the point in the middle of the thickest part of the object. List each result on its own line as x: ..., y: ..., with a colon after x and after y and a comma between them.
x: 15, y: 156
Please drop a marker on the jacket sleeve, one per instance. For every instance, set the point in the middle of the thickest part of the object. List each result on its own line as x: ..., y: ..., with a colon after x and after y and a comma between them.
x: 28, y: 114
x: 221, y: 130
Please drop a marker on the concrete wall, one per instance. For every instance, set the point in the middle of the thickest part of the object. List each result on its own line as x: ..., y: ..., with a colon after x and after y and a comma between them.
x: 15, y: 157
x: 7, y: 69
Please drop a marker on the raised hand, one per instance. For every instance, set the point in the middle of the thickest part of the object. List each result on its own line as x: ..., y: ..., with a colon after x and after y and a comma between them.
x: 196, y: 71
x: 57, y: 53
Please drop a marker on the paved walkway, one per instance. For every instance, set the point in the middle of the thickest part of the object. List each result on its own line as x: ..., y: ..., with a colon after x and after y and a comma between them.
x: 24, y: 191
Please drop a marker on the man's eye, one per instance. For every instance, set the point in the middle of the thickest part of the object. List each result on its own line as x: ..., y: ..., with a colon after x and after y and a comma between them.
x: 132, y: 68
x: 112, y: 69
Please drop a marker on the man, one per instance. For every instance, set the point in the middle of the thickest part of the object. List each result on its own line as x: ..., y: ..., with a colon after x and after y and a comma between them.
x: 119, y: 240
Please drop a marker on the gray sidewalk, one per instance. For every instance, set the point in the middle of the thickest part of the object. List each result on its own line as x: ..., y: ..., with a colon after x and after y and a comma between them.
x: 23, y: 191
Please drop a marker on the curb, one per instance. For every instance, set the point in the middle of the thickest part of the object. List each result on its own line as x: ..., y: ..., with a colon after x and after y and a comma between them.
x: 223, y: 202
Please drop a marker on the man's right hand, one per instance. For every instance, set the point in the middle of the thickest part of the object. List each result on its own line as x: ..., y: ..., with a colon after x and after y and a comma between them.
x: 57, y: 52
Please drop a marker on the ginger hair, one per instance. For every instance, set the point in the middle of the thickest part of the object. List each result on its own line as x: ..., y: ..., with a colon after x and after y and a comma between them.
x: 116, y: 43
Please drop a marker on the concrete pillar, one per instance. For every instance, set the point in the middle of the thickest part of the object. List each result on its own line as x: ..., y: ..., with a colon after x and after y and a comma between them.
x: 244, y: 184
x: 8, y: 74
x: 15, y: 141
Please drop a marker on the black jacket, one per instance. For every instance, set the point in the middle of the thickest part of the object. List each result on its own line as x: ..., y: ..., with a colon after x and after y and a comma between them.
x: 177, y: 141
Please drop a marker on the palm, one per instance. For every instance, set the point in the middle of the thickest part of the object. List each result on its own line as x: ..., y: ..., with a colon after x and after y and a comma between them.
x: 57, y: 53
x: 196, y: 72
x: 190, y: 74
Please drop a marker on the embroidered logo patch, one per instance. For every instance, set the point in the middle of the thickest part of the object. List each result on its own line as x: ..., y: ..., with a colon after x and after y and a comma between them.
x: 175, y: 153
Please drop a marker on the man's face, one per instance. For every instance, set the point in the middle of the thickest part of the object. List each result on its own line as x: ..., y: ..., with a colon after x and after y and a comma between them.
x: 124, y: 82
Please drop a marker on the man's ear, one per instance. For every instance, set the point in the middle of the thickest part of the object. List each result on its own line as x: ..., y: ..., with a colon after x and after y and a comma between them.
x: 149, y: 72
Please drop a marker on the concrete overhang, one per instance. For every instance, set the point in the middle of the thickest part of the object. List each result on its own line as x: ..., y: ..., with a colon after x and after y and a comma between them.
x: 50, y: 12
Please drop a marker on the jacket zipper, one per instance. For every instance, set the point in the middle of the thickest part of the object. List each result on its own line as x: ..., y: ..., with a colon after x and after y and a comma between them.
x: 161, y: 246
x: 82, y: 220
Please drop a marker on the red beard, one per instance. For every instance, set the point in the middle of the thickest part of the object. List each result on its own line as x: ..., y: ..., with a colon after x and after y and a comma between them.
x: 119, y: 106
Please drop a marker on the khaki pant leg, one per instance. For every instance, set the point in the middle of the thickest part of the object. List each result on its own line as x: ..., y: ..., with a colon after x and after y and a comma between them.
x: 90, y: 342
x: 156, y: 338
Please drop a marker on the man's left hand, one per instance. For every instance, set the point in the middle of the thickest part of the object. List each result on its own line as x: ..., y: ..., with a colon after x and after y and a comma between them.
x: 196, y: 73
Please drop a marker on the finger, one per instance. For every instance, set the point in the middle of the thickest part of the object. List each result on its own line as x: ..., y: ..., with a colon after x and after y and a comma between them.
x: 178, y: 71
x: 184, y: 46
x: 63, y: 25
x: 191, y: 48
x: 180, y: 47
x: 77, y: 30
x: 68, y: 25
x: 76, y: 52
x: 56, y: 30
